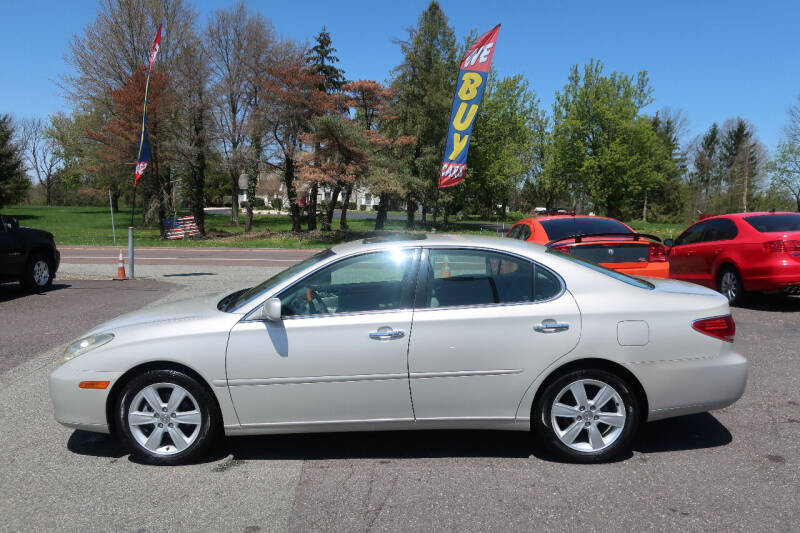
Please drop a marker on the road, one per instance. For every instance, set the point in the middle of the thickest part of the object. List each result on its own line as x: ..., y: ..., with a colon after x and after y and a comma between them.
x: 737, y: 469
x: 274, y: 257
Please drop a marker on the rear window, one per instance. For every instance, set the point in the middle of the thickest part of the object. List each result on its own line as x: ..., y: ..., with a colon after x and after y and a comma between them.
x: 630, y: 280
x: 775, y: 223
x: 561, y: 228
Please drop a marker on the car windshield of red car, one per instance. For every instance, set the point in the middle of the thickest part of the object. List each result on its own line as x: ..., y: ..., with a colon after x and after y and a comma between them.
x: 559, y: 228
x: 775, y: 223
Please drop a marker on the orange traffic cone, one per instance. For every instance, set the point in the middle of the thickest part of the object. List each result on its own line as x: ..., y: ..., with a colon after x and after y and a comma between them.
x: 121, y: 269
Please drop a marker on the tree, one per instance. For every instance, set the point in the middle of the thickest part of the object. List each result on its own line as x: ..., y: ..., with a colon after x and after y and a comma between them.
x: 388, y: 151
x: 424, y: 85
x: 742, y: 157
x: 322, y: 62
x: 339, y: 157
x: 236, y: 41
x: 665, y: 197
x: 118, y: 141
x: 41, y: 155
x: 502, y: 149
x: 786, y: 170
x: 293, y: 99
x: 191, y: 135
x: 13, y: 182
x: 602, y: 145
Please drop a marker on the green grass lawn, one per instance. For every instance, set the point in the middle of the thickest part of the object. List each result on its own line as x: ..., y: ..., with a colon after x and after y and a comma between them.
x: 92, y: 226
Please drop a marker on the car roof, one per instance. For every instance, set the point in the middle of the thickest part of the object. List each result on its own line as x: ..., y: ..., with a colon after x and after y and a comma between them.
x: 749, y: 214
x: 559, y: 217
x: 437, y: 240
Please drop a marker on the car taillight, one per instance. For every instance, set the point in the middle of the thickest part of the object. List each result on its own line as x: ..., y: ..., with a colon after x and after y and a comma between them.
x: 721, y: 327
x: 562, y: 249
x: 781, y: 246
x: 656, y: 253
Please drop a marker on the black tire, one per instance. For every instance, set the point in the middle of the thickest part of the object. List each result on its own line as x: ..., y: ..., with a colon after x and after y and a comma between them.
x: 206, y: 406
x: 543, y: 425
x: 38, y: 274
x: 729, y: 284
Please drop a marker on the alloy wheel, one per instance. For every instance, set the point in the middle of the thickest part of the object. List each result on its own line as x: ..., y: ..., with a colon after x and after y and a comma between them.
x: 41, y: 273
x: 588, y: 415
x: 729, y: 285
x: 164, y: 418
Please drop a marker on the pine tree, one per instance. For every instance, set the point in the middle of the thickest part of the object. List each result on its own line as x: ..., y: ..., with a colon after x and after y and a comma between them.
x: 424, y: 84
x: 13, y: 182
x: 322, y: 63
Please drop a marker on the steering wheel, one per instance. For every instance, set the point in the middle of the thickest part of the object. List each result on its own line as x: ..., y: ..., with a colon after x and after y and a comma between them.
x: 315, y: 304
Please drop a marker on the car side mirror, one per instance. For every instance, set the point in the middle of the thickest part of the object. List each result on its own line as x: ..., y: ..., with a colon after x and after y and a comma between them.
x: 271, y: 310
x: 668, y: 242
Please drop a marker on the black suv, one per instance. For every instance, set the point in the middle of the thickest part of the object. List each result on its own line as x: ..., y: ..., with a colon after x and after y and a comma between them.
x: 27, y: 255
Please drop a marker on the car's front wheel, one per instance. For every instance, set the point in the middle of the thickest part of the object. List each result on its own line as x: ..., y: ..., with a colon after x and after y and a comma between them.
x: 166, y: 417
x: 587, y: 416
x: 38, y: 275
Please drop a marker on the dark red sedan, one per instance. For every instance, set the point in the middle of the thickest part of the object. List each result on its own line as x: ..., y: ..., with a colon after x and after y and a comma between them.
x: 740, y: 253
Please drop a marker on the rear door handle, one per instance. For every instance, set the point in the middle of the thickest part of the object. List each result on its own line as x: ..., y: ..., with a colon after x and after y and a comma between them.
x: 387, y: 334
x: 550, y: 327
x: 717, y: 251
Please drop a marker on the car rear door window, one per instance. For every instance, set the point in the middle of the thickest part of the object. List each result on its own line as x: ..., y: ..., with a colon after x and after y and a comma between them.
x: 775, y: 223
x: 524, y: 233
x: 379, y: 281
x: 476, y: 277
x: 720, y: 229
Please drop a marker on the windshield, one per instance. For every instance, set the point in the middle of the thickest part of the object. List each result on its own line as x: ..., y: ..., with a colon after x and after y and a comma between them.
x: 560, y: 228
x: 775, y: 223
x: 248, y: 295
x: 630, y: 280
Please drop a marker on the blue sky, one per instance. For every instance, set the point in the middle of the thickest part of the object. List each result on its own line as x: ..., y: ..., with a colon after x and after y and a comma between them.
x: 714, y: 60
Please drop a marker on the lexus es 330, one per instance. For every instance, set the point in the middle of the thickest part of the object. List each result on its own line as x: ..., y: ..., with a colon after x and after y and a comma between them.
x: 427, y: 332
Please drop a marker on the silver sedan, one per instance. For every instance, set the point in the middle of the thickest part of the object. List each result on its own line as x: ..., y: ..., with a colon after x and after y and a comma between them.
x: 425, y: 332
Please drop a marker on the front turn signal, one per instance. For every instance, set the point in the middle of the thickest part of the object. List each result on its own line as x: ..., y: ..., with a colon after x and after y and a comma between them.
x: 93, y: 384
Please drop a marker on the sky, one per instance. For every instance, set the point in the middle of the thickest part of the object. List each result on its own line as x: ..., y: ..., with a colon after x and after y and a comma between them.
x: 713, y: 60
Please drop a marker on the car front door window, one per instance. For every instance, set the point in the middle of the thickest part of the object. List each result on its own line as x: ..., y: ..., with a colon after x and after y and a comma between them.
x: 380, y: 281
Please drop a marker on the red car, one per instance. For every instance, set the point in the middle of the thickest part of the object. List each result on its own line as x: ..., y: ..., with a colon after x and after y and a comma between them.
x: 740, y: 253
x: 605, y: 241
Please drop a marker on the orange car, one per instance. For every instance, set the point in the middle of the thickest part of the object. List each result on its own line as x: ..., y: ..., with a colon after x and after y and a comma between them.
x: 601, y: 240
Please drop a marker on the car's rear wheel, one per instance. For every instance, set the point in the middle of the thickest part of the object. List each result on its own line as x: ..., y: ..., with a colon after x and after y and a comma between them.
x: 38, y: 275
x: 587, y: 416
x: 730, y: 285
x: 166, y: 417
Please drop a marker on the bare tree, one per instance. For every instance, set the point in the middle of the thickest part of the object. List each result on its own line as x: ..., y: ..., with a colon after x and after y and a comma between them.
x: 41, y: 155
x: 233, y: 36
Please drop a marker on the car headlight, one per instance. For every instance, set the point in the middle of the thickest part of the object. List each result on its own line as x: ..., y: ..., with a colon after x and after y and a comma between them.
x: 81, y: 346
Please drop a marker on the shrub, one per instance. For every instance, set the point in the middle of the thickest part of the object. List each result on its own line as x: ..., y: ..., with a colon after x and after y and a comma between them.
x: 276, y: 203
x: 258, y: 203
x: 363, y: 207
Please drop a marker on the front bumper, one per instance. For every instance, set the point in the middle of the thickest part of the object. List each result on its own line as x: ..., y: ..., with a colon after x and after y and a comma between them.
x: 80, y: 408
x: 693, y: 385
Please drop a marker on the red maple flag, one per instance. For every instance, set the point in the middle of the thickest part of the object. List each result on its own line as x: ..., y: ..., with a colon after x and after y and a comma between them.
x: 154, y: 50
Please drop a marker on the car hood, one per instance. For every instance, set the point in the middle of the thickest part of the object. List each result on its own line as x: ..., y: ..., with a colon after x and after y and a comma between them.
x: 178, y: 311
x: 682, y: 287
x: 35, y: 233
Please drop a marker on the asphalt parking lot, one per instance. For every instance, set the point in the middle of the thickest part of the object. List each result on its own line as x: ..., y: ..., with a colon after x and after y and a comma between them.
x: 737, y: 469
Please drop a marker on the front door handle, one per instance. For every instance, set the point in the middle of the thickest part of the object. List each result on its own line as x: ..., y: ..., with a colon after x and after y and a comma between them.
x: 551, y: 326
x: 717, y: 251
x: 387, y: 334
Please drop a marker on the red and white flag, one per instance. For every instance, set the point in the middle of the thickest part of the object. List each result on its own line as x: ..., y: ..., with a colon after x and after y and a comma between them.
x: 154, y: 50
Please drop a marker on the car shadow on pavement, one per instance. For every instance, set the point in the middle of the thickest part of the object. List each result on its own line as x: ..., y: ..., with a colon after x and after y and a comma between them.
x: 779, y: 303
x: 12, y: 291
x: 678, y: 434
x: 690, y: 432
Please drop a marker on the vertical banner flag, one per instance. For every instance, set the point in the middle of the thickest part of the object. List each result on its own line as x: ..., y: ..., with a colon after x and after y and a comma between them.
x: 472, y: 76
x: 143, y: 155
